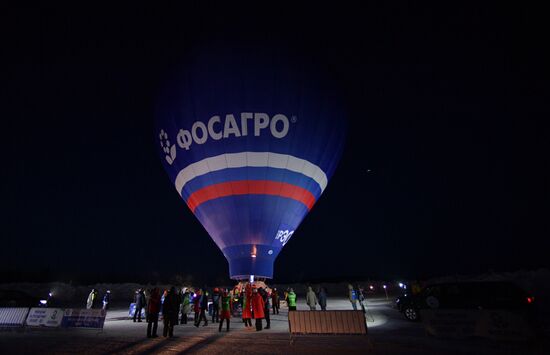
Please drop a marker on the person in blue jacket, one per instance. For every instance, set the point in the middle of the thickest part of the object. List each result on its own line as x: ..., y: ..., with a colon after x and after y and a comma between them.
x: 106, y: 299
x: 352, y: 296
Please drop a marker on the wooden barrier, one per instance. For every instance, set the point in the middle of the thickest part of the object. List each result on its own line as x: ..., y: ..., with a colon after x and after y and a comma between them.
x: 327, y: 322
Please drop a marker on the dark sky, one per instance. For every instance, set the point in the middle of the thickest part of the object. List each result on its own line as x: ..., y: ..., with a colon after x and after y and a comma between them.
x: 445, y: 171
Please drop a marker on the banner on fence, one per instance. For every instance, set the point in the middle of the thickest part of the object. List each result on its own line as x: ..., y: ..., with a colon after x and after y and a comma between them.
x: 46, y: 317
x: 84, y: 318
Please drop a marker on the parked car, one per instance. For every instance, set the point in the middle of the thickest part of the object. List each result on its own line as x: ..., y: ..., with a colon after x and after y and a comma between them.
x: 493, y: 309
x: 409, y: 305
x: 14, y: 298
x: 477, y: 295
x: 496, y: 310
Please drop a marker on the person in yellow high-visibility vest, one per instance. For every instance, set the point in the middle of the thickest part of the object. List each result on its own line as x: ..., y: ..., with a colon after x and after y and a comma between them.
x: 91, y: 302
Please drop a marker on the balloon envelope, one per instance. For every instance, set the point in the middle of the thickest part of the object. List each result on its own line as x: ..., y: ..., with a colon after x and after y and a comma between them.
x: 250, y: 138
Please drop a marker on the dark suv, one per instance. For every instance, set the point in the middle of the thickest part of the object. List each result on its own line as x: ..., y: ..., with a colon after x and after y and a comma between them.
x: 475, y: 295
x: 408, y: 305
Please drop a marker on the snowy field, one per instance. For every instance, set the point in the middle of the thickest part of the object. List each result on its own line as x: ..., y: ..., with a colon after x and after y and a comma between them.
x: 388, y: 333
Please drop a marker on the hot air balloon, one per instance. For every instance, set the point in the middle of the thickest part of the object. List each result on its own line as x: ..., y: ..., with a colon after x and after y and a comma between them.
x: 250, y: 137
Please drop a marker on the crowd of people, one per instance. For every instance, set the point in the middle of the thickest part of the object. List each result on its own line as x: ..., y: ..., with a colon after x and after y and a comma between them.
x: 219, y: 306
x: 245, y: 300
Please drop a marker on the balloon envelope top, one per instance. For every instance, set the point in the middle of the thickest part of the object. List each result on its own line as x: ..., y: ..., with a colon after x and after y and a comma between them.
x: 250, y: 138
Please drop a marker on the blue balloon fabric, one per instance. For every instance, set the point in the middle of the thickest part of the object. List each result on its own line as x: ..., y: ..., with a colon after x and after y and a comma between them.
x: 250, y: 138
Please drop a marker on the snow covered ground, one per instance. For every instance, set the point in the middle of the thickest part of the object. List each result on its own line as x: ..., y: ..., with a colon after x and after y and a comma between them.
x: 388, y: 333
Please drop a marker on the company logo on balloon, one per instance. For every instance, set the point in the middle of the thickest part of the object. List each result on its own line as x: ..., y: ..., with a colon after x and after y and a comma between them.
x: 284, y: 236
x: 167, y: 148
x: 247, y: 123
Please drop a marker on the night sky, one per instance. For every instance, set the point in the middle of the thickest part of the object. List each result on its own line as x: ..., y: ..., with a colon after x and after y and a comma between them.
x: 445, y: 170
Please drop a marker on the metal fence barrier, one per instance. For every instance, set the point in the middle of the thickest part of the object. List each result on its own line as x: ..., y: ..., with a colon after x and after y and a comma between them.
x: 13, y: 316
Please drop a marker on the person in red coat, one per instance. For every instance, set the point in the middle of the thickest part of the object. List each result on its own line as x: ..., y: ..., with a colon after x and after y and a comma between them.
x: 153, y: 309
x: 247, y: 313
x: 258, y: 306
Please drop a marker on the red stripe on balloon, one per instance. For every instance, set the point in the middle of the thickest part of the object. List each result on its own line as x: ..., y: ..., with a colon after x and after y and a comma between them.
x: 251, y: 187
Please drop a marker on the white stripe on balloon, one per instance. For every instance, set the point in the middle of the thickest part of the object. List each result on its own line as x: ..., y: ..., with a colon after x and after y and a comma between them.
x: 251, y: 159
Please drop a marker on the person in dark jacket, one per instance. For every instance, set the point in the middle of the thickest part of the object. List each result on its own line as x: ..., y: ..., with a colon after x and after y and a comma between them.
x: 203, y: 303
x: 162, y: 297
x: 361, y: 298
x: 237, y: 301
x: 140, y: 304
x: 153, y: 309
x: 215, y: 305
x: 266, y: 297
x: 323, y: 299
x: 170, y: 310
x: 197, y: 304
x: 178, y: 300
x: 275, y: 301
